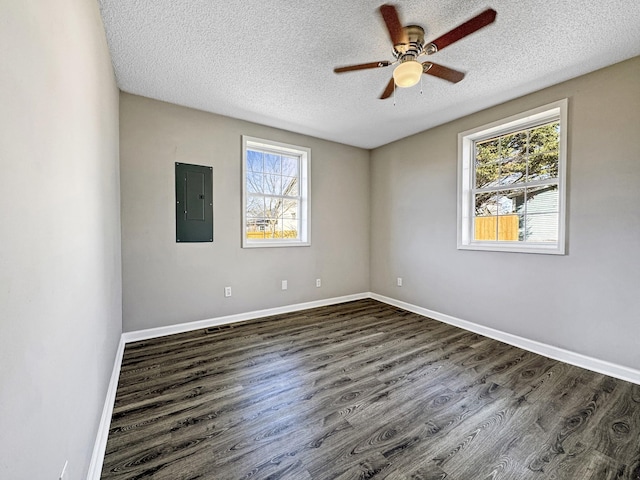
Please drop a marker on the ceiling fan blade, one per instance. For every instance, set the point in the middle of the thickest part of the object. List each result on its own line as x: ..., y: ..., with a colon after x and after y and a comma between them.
x: 388, y: 90
x: 392, y: 21
x: 445, y: 73
x: 467, y: 28
x: 362, y: 66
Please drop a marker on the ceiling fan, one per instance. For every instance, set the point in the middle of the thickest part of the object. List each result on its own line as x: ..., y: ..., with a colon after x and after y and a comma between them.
x: 408, y: 45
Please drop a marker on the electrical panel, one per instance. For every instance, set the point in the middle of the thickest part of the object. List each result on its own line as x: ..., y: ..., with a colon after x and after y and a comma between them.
x: 194, y: 203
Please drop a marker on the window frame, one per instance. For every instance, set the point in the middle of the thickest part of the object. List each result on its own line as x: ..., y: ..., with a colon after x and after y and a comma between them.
x: 304, y: 196
x: 556, y: 111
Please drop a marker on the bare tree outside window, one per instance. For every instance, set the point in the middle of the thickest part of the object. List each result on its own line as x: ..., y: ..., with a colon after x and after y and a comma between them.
x: 273, y: 195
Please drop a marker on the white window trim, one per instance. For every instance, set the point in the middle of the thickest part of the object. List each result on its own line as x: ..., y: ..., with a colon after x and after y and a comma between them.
x: 466, y: 141
x: 305, y: 192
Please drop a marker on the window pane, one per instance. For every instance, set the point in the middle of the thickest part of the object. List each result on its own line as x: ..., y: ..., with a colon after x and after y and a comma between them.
x: 272, y: 163
x: 487, y: 175
x: 256, y: 228
x: 513, y: 170
x: 276, y: 227
x: 543, y: 166
x: 290, y: 186
x: 254, y: 182
x: 487, y: 169
x: 485, y: 204
x: 290, y: 231
x: 509, y: 228
x: 272, y: 184
x: 513, y: 145
x: 273, y: 208
x: 271, y: 228
x: 542, y: 227
x: 510, y: 201
x: 485, y: 228
x: 254, y: 161
x: 544, y: 138
x: 290, y: 166
x: 504, y: 203
x: 541, y: 220
x: 543, y: 199
x: 279, y: 209
x: 487, y: 151
x: 290, y: 216
x: 291, y: 209
x: 255, y: 206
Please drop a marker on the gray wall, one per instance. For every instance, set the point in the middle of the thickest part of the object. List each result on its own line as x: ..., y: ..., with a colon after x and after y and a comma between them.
x: 166, y: 283
x: 60, y: 280
x: 587, y: 301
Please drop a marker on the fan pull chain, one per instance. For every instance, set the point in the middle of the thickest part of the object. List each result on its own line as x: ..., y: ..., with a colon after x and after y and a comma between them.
x: 421, y: 84
x: 394, y: 94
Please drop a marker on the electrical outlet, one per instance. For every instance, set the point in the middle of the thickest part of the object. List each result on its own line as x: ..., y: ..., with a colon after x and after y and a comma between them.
x: 318, y: 282
x: 399, y: 281
x: 227, y: 291
x: 63, y: 474
x: 284, y: 284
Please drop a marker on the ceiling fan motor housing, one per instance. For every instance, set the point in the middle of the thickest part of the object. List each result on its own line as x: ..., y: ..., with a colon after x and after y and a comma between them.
x: 414, y: 45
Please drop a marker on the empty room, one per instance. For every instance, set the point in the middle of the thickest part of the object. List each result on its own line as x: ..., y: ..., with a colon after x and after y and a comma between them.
x: 319, y: 240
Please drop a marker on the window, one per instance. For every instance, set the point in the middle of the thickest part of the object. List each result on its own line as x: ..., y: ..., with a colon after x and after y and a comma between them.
x: 512, y: 183
x: 275, y: 200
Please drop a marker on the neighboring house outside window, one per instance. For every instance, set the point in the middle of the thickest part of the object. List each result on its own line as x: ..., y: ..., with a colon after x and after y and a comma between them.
x: 512, y: 183
x: 275, y: 199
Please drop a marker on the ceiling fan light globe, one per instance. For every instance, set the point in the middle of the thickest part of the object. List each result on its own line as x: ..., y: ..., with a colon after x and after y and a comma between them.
x: 407, y: 74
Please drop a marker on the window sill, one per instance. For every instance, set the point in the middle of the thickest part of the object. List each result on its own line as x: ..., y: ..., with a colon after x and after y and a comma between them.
x: 514, y: 248
x: 275, y: 244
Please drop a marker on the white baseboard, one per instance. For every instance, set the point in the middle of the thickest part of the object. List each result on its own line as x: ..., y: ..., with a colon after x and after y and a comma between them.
x: 556, y: 353
x: 100, y: 446
x: 240, y: 317
x: 600, y: 366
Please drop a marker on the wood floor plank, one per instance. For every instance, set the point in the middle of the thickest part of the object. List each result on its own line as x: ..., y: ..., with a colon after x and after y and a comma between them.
x: 363, y: 390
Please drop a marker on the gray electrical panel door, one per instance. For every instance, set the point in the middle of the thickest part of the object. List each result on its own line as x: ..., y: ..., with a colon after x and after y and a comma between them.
x: 194, y: 203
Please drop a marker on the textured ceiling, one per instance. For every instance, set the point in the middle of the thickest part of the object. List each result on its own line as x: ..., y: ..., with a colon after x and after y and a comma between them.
x: 271, y: 61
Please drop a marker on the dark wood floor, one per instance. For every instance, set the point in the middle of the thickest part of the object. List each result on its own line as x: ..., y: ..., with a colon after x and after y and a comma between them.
x: 363, y: 390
